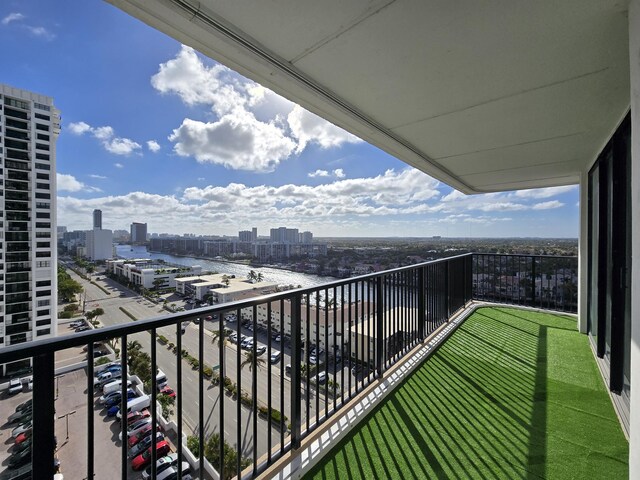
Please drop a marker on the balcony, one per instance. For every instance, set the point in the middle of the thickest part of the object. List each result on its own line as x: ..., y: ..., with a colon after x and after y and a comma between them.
x: 346, y: 338
x: 511, y: 394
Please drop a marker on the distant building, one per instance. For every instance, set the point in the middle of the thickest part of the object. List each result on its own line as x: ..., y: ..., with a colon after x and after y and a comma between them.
x: 284, y: 235
x: 223, y: 288
x: 306, y: 237
x: 245, y: 236
x: 149, y: 273
x: 138, y: 233
x: 97, y: 219
x: 99, y: 244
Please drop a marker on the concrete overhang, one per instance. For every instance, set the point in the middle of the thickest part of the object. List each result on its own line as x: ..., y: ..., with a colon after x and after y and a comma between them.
x: 484, y: 96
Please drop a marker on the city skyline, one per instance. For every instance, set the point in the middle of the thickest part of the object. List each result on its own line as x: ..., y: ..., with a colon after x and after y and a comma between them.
x: 180, y: 140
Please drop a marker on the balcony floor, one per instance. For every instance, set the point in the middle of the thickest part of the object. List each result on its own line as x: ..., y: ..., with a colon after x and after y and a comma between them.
x: 512, y: 394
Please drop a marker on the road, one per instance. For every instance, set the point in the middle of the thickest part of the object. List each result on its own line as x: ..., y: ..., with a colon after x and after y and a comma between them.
x: 166, y: 359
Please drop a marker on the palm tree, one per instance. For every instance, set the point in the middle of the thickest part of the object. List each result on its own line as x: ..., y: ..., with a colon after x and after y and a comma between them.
x: 259, y: 277
x: 252, y: 275
x: 220, y: 337
x: 251, y: 360
x: 225, y: 280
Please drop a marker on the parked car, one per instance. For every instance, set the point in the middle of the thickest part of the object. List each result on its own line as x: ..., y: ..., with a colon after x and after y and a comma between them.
x: 23, y: 437
x: 27, y: 404
x: 161, y: 465
x: 95, y: 346
x: 21, y: 417
x: 115, y: 400
x: 171, y: 473
x: 19, y: 414
x: 144, y: 432
x: 15, y: 386
x: 166, y: 390
x: 136, y: 426
x: 275, y: 357
x: 260, y: 350
x: 77, y: 323
x: 321, y: 378
x: 84, y: 328
x: 144, y: 443
x: 115, y: 393
x: 23, y: 446
x: 142, y: 460
x: 23, y: 427
x: 18, y: 459
x: 133, y: 417
x: 277, y: 338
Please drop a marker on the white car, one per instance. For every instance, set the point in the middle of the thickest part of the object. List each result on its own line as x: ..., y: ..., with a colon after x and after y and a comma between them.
x: 21, y: 429
x: 172, y: 472
x: 136, y: 427
x: 161, y: 465
x: 15, y: 386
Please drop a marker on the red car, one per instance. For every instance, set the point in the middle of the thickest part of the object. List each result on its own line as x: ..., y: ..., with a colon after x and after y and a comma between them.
x: 168, y: 391
x: 23, y: 437
x: 142, y: 460
x: 133, y: 439
x: 135, y: 416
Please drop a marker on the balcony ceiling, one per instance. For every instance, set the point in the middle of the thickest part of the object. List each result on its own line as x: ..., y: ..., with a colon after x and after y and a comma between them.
x: 485, y: 96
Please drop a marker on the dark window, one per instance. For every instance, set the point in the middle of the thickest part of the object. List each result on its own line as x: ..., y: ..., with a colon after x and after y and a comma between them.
x: 40, y: 126
x: 43, y: 254
x: 43, y: 225
x: 44, y: 312
x: 42, y: 146
x: 46, y: 331
x: 43, y: 117
x: 44, y: 186
x: 42, y: 176
x: 42, y: 136
x: 41, y: 323
x: 42, y: 156
x: 43, y: 215
x: 43, y: 283
x: 43, y: 244
x: 42, y: 166
x: 43, y: 195
x: 43, y: 293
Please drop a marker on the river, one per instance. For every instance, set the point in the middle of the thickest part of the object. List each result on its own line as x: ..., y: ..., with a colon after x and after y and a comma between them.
x: 281, y: 277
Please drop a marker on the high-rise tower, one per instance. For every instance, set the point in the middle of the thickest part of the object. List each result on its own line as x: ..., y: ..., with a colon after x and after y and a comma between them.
x: 29, y: 127
x: 97, y: 219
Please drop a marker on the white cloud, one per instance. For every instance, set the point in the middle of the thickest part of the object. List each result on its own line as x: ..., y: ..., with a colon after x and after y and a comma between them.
x: 79, y: 128
x: 153, y: 146
x: 118, y: 165
x: 106, y: 135
x: 12, y: 17
x: 339, y: 173
x: 318, y: 173
x: 547, y: 205
x: 121, y: 146
x: 255, y: 128
x: 69, y: 183
x: 236, y: 141
x: 99, y: 177
x: 308, y: 128
x: 41, y: 32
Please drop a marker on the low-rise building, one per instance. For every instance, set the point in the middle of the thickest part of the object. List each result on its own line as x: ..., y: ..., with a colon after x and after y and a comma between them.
x: 149, y: 274
x: 222, y: 288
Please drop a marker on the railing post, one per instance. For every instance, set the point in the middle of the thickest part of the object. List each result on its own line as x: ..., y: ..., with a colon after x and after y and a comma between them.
x: 422, y: 307
x: 447, y: 290
x: 296, y: 376
x: 533, y: 281
x: 379, y: 327
x: 44, y: 416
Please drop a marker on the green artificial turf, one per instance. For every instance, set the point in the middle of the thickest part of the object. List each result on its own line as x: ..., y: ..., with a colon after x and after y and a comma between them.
x: 512, y: 394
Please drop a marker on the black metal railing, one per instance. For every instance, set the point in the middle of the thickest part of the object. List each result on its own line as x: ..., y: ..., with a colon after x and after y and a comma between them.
x: 549, y: 282
x: 314, y: 349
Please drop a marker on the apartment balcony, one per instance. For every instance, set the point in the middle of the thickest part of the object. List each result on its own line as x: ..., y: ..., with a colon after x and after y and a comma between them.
x: 510, y: 392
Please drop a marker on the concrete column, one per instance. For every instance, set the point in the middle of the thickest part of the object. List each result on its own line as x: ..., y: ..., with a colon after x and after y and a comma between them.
x: 634, y: 58
x: 583, y: 253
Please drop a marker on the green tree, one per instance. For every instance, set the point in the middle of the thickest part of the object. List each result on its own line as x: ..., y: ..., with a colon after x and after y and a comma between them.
x: 166, y: 403
x: 252, y: 275
x: 252, y: 360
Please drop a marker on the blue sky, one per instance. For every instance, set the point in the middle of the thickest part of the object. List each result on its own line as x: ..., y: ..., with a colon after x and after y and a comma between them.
x: 154, y: 132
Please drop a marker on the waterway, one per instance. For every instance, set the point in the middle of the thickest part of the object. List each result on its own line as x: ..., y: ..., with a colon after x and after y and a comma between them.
x: 281, y: 277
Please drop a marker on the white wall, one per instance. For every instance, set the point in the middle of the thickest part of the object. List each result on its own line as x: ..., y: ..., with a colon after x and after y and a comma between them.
x: 634, y: 56
x: 583, y: 253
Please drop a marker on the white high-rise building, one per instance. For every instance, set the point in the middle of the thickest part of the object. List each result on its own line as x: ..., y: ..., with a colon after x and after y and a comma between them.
x: 29, y: 127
